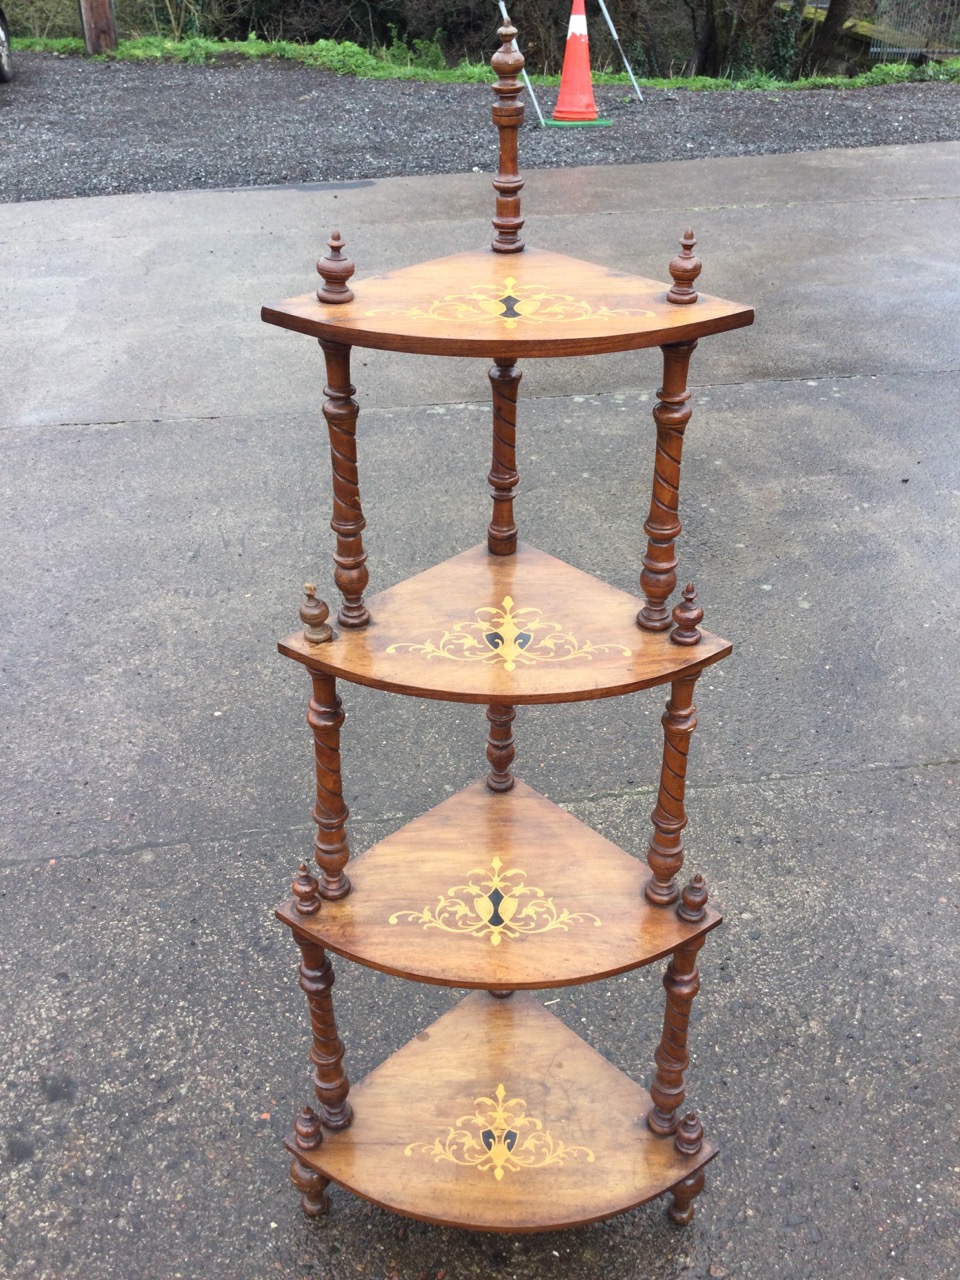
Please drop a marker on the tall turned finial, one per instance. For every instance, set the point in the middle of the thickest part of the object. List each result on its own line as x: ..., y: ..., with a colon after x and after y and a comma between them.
x: 693, y: 900
x: 306, y: 891
x: 507, y: 62
x: 684, y: 269
x: 313, y: 615
x: 336, y: 269
x: 689, y: 1137
x: 687, y: 615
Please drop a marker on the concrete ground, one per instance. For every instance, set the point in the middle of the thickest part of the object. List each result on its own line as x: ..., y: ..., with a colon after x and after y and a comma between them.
x: 165, y: 484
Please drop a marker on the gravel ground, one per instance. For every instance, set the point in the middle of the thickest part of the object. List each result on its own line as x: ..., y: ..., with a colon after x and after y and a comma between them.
x: 72, y: 127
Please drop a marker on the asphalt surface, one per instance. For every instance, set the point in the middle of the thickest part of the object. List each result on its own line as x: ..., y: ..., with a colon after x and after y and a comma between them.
x: 164, y: 484
x: 73, y: 127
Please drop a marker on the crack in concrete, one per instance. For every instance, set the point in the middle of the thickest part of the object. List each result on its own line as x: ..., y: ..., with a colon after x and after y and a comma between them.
x: 471, y: 405
x: 149, y: 846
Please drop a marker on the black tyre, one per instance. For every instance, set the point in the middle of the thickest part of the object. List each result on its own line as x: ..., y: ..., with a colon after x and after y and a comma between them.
x: 6, y: 62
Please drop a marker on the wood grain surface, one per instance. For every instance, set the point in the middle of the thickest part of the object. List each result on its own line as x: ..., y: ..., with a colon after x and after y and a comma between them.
x: 501, y: 1086
x: 448, y: 633
x: 535, y: 303
x: 563, y: 906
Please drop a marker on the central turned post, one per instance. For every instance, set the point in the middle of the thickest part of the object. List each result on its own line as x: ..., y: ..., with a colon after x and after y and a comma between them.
x: 503, y: 478
x: 507, y: 62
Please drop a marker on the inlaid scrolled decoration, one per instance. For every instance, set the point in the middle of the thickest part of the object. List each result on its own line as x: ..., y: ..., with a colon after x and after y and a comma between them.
x: 500, y: 905
x: 508, y: 636
x: 499, y: 1137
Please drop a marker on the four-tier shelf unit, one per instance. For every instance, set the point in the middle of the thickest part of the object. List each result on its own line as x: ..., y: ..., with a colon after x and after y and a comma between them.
x: 498, y: 1117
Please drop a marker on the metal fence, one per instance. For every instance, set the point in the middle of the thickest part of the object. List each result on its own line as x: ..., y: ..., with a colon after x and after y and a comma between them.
x: 915, y: 28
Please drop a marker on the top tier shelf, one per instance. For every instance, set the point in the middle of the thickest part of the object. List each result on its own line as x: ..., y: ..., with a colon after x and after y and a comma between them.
x: 534, y: 303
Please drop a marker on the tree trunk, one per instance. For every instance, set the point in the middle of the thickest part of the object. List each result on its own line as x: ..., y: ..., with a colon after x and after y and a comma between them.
x: 827, y: 36
x: 99, y: 25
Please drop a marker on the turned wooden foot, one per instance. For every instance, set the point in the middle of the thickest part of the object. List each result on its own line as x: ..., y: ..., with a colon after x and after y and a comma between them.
x: 683, y: 1196
x: 312, y: 1186
x: 308, y: 1135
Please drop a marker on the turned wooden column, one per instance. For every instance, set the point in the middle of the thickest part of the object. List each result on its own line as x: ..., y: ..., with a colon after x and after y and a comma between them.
x: 669, y: 817
x: 500, y: 746
x: 340, y: 411
x: 668, y: 1089
x: 503, y: 478
x: 662, y: 526
x: 507, y: 62
x: 329, y: 1078
x: 331, y: 845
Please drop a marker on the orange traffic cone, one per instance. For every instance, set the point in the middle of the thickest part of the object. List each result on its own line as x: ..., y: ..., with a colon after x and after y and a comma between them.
x: 575, y: 104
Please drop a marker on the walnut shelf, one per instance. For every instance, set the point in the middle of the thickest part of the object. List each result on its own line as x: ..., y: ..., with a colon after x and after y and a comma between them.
x: 516, y: 629
x: 528, y: 305
x: 499, y: 1118
x: 497, y: 891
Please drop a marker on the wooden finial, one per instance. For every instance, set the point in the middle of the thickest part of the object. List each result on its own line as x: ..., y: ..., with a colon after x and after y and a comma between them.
x: 507, y: 62
x: 307, y: 1130
x: 336, y: 269
x: 684, y: 268
x: 687, y: 615
x: 693, y: 900
x: 306, y: 891
x: 689, y: 1137
x: 313, y: 615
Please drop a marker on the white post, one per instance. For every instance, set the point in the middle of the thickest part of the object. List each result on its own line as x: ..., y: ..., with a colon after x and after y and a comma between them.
x: 526, y: 78
x: 616, y: 41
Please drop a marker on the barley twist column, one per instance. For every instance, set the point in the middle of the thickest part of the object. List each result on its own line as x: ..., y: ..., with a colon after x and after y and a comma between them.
x: 329, y: 1078
x: 668, y: 1090
x: 669, y: 816
x: 503, y: 478
x: 662, y: 526
x: 340, y: 411
x: 331, y: 844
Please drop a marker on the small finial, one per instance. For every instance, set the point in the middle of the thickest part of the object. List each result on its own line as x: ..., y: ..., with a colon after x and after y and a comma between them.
x: 693, y: 900
x: 689, y: 1137
x: 306, y: 892
x: 336, y: 269
x: 307, y: 1132
x: 313, y: 615
x: 687, y: 615
x: 684, y: 268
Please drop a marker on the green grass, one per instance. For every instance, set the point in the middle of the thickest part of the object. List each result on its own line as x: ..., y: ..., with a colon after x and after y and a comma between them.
x: 422, y: 62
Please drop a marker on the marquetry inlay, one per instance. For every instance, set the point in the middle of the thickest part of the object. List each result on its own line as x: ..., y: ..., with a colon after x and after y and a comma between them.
x: 500, y: 1136
x: 497, y: 907
x: 508, y: 635
x: 511, y: 302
